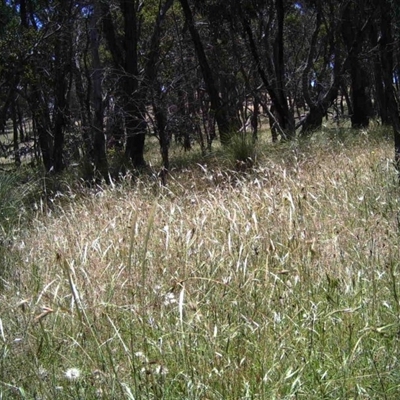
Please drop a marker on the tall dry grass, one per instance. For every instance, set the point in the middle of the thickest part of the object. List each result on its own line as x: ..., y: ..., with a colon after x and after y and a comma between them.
x: 277, y: 282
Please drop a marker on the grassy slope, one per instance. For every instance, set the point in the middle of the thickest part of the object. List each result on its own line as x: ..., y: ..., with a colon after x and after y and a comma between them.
x: 281, y: 282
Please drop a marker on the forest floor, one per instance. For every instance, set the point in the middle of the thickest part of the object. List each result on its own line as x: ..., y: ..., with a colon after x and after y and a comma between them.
x: 279, y: 280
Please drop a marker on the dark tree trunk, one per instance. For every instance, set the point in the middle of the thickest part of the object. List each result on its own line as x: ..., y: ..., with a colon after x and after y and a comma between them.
x: 63, y: 67
x: 135, y: 123
x: 17, y: 158
x: 254, y: 117
x: 99, y: 143
x: 274, y: 123
x: 161, y: 122
x: 150, y: 82
x: 85, y: 113
x: 286, y: 118
x: 23, y: 12
x: 319, y: 107
x: 345, y: 93
x: 136, y: 131
x: 21, y: 124
x: 41, y: 116
x: 386, y: 56
x: 360, y: 98
x: 282, y: 115
x: 133, y: 93
x: 380, y: 96
x: 183, y: 112
x: 44, y: 143
x: 126, y: 62
x: 313, y: 120
x: 225, y: 126
x: 9, y: 98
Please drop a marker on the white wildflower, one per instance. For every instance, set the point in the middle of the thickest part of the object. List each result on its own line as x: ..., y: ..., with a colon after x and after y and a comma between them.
x: 160, y: 370
x: 155, y: 369
x: 72, y: 374
x: 140, y: 354
x: 277, y: 317
x: 157, y: 288
x: 43, y: 373
x: 169, y: 299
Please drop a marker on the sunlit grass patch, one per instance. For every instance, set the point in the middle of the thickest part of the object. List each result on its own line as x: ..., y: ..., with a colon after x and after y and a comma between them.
x: 280, y: 281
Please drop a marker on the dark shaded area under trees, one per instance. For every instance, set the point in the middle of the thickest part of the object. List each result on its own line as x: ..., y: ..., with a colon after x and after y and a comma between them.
x: 79, y: 79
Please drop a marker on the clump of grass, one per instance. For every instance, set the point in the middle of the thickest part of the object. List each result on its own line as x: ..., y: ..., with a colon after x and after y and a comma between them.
x: 10, y: 200
x: 281, y: 283
x: 12, y: 215
x: 241, y: 151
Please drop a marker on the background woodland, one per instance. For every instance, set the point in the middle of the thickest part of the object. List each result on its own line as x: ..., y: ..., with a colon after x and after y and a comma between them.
x: 88, y: 82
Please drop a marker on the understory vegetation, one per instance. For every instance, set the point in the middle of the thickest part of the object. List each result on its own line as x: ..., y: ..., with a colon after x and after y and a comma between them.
x: 271, y: 279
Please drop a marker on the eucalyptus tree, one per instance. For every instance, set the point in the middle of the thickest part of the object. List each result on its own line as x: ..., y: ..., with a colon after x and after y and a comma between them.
x: 64, y: 15
x: 263, y: 25
x: 133, y: 59
x: 220, y: 109
x: 324, y: 66
x: 156, y: 86
x: 227, y: 56
x: 183, y: 91
x: 24, y: 71
x: 9, y: 76
x: 356, y: 14
x: 99, y: 145
x: 42, y: 72
x: 388, y: 25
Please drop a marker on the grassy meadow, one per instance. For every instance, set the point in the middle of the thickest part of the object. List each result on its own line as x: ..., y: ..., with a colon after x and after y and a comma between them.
x: 275, y: 281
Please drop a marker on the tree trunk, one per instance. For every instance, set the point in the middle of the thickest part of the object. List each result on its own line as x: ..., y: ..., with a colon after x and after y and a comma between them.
x: 286, y: 117
x: 99, y: 143
x: 17, y: 158
x: 255, y: 116
x: 345, y: 93
x: 62, y: 66
x: 41, y: 116
x: 20, y: 123
x: 313, y: 120
x: 319, y: 108
x: 135, y: 123
x: 183, y: 113
x: 161, y: 123
x: 220, y: 112
x: 126, y: 62
x: 136, y: 132
x: 84, y: 104
x: 361, y: 101
x: 151, y: 83
x: 282, y: 114
x: 132, y: 87
x: 386, y: 55
x: 360, y: 98
x: 380, y: 96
